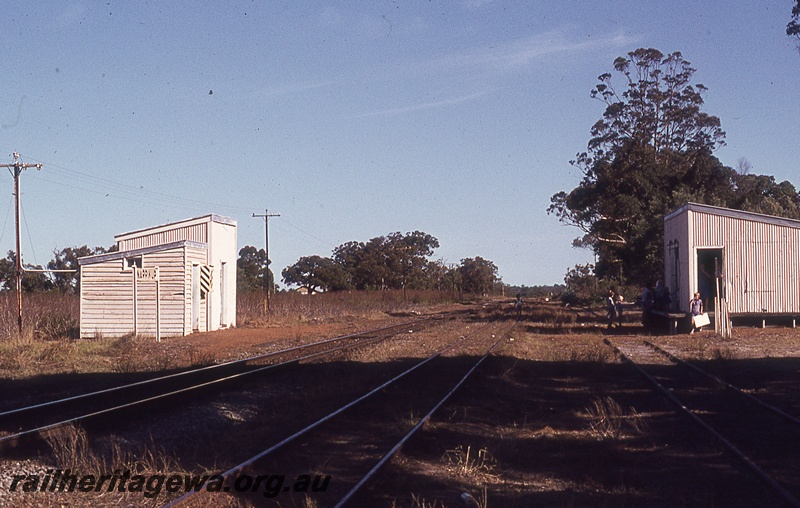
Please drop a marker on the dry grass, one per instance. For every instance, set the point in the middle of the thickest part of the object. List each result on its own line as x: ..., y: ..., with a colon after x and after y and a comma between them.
x: 46, y: 316
x: 580, y: 353
x: 288, y: 307
x: 552, y: 314
x: 55, y: 316
x: 609, y: 419
x: 49, y: 342
x: 71, y: 450
x: 469, y: 501
x: 469, y: 462
x: 420, y: 502
x: 723, y: 353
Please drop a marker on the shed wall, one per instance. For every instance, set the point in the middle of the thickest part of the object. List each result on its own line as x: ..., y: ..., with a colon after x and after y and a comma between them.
x: 222, y: 256
x: 106, y: 300
x: 760, y: 265
x: 761, y: 262
x: 678, y: 263
x: 107, y: 297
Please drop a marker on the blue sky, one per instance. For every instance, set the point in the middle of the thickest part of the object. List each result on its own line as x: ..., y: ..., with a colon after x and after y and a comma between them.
x: 355, y: 119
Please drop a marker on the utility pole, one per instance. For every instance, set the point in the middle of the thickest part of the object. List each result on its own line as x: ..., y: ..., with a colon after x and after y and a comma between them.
x: 266, y: 215
x: 16, y: 169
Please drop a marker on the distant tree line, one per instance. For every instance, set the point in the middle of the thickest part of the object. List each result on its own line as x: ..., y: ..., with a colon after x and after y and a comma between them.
x: 67, y: 281
x: 553, y: 291
x: 394, y: 261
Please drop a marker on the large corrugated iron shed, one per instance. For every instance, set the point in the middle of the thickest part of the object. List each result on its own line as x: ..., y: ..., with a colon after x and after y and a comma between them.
x: 750, y: 260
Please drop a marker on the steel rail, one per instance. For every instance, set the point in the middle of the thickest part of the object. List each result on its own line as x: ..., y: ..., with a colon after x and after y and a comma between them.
x: 13, y: 438
x: 418, y: 426
x: 202, y: 369
x: 778, y: 411
x: 754, y: 468
x: 252, y: 460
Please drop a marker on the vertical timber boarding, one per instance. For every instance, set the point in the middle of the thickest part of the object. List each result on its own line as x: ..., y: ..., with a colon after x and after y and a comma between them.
x: 114, y: 303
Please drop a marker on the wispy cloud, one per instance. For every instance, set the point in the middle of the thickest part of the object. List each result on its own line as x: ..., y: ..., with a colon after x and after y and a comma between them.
x: 482, y: 69
x: 425, y: 105
x: 509, y: 56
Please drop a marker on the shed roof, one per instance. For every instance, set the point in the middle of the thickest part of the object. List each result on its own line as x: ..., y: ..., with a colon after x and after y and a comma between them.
x: 110, y: 256
x: 736, y: 214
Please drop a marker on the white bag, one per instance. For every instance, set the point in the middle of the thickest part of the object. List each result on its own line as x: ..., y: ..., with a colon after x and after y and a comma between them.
x: 701, y: 320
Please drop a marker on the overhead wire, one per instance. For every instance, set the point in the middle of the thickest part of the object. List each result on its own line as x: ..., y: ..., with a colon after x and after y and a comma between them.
x: 73, y: 174
x: 85, y: 182
x: 5, y: 222
x: 30, y: 240
x: 310, y: 235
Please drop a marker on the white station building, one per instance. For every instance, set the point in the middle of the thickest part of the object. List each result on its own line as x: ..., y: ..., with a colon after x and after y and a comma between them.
x: 168, y: 280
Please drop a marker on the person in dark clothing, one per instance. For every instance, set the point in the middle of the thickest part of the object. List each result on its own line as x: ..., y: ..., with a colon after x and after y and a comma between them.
x: 611, y: 309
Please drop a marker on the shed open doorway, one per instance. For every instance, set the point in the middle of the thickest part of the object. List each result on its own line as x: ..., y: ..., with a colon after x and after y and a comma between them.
x: 709, y: 270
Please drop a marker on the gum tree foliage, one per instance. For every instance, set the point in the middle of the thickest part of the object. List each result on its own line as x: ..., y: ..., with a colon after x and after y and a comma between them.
x: 582, y: 284
x: 441, y: 277
x: 478, y: 275
x: 394, y: 261
x: 31, y: 281
x: 67, y: 259
x: 793, y: 28
x: 316, y: 273
x: 64, y: 259
x: 651, y: 152
x: 252, y: 270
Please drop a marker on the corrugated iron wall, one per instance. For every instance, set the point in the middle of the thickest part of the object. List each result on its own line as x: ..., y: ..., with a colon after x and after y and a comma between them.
x: 194, y: 233
x: 760, y: 265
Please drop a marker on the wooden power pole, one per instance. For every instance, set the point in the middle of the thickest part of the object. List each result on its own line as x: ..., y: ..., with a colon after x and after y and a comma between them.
x: 266, y: 215
x: 16, y: 169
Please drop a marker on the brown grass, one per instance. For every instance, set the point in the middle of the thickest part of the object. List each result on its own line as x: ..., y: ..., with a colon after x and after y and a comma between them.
x: 290, y: 306
x: 45, y: 316
x: 49, y: 342
x: 609, y: 419
x: 55, y: 316
x: 71, y: 449
x: 469, y: 462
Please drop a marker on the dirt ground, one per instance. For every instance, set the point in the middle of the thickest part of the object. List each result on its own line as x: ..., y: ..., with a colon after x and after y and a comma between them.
x: 552, y: 418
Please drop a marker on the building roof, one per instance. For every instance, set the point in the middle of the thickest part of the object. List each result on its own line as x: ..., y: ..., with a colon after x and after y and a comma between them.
x: 111, y: 256
x: 736, y: 214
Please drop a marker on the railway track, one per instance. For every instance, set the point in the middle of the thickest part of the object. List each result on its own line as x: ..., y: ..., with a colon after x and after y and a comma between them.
x: 763, y: 438
x: 354, y: 440
x: 29, y: 424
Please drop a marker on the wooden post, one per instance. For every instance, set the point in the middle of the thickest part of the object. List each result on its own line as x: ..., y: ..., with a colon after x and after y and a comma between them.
x: 17, y: 168
x: 135, y: 303
x: 158, y: 306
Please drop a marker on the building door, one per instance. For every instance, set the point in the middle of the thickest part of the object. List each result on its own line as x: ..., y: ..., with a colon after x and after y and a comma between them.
x: 223, y: 294
x: 195, y: 298
x: 709, y: 276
